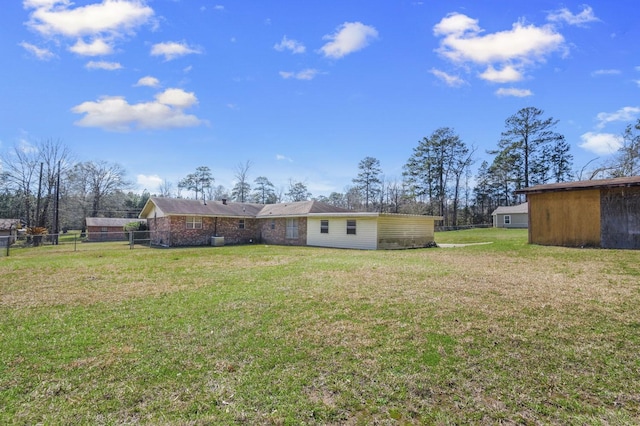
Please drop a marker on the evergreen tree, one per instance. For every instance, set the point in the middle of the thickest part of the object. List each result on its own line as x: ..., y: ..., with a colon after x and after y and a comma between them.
x: 525, y: 136
x: 368, y: 181
x: 264, y: 192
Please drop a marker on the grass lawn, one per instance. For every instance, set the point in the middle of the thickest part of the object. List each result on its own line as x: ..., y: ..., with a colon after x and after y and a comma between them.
x: 486, y: 334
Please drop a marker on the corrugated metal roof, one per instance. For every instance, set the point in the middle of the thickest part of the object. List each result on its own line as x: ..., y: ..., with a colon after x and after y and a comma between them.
x: 582, y: 184
x: 109, y: 221
x: 520, y: 208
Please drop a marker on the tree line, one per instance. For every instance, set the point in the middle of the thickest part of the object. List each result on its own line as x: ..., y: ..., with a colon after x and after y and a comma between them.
x: 44, y: 186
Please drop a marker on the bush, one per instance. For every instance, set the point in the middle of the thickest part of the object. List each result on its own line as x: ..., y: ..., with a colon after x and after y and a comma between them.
x: 139, y: 230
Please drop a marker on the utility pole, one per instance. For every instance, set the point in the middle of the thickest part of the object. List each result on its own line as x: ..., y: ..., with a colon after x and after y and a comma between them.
x: 57, y: 216
x: 39, y: 197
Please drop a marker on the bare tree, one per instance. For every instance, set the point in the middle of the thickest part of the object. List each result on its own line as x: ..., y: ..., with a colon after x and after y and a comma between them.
x: 165, y: 188
x: 240, y: 191
x: 20, y: 168
x: 627, y: 159
x: 56, y: 159
x: 96, y: 180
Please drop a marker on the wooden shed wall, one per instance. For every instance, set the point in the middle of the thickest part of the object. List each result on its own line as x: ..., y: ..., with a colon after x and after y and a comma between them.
x: 400, y: 232
x: 565, y: 218
x: 620, y: 209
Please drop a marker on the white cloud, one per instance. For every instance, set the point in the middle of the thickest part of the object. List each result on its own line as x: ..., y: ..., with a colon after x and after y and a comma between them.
x: 96, y: 48
x: 348, y: 38
x: 172, y: 50
x: 177, y: 98
x: 42, y: 54
x: 519, y: 93
x: 308, y: 74
x: 281, y: 157
x: 288, y: 44
x: 148, y: 81
x: 601, y: 143
x: 110, y: 17
x: 114, y: 113
x: 149, y: 182
x: 606, y: 72
x: 508, y: 74
x: 103, y: 65
x: 449, y: 80
x: 565, y: 15
x: 623, y: 114
x: 504, y: 55
x: 522, y: 44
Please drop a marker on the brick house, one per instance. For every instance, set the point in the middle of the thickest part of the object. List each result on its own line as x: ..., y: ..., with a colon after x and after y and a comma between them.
x: 180, y: 222
x: 107, y: 228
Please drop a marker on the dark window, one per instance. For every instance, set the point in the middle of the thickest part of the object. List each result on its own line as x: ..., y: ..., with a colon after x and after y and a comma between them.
x: 273, y: 224
x: 351, y: 227
x: 324, y: 226
x: 507, y: 219
x: 241, y: 224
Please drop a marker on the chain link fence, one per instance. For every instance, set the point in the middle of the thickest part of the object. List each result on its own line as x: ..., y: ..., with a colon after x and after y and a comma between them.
x: 77, y: 241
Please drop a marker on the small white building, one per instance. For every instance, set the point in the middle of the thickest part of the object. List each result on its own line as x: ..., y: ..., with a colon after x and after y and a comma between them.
x: 511, y: 216
x: 370, y: 231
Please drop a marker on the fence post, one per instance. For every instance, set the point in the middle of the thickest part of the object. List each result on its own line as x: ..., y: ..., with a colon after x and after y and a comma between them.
x: 130, y: 240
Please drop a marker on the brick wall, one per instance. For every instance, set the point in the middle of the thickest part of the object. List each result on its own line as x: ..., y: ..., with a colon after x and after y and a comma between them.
x: 172, y: 231
x: 112, y: 233
x: 277, y: 235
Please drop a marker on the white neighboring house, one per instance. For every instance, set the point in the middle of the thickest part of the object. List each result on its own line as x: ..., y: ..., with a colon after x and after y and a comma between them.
x: 511, y: 216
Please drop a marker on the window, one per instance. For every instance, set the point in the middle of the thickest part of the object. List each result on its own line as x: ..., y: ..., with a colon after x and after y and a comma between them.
x: 104, y: 229
x: 507, y: 219
x: 324, y: 226
x: 194, y: 222
x: 241, y: 224
x: 273, y: 224
x: 351, y: 227
x: 292, y: 228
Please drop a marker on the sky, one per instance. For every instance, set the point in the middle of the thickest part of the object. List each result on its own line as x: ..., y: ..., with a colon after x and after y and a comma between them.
x: 304, y: 90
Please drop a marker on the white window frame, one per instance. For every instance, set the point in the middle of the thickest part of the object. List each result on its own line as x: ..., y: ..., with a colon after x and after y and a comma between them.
x: 194, y: 222
x: 292, y: 228
x: 324, y: 226
x: 507, y: 219
x: 241, y: 224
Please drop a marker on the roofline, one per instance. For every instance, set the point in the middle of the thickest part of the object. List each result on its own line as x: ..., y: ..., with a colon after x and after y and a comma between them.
x: 372, y: 214
x: 582, y: 185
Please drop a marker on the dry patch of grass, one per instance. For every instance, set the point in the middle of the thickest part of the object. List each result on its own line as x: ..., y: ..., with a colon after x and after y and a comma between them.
x: 504, y: 333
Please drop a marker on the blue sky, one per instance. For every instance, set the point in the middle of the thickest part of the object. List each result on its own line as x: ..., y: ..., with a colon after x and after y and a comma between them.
x: 304, y: 90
